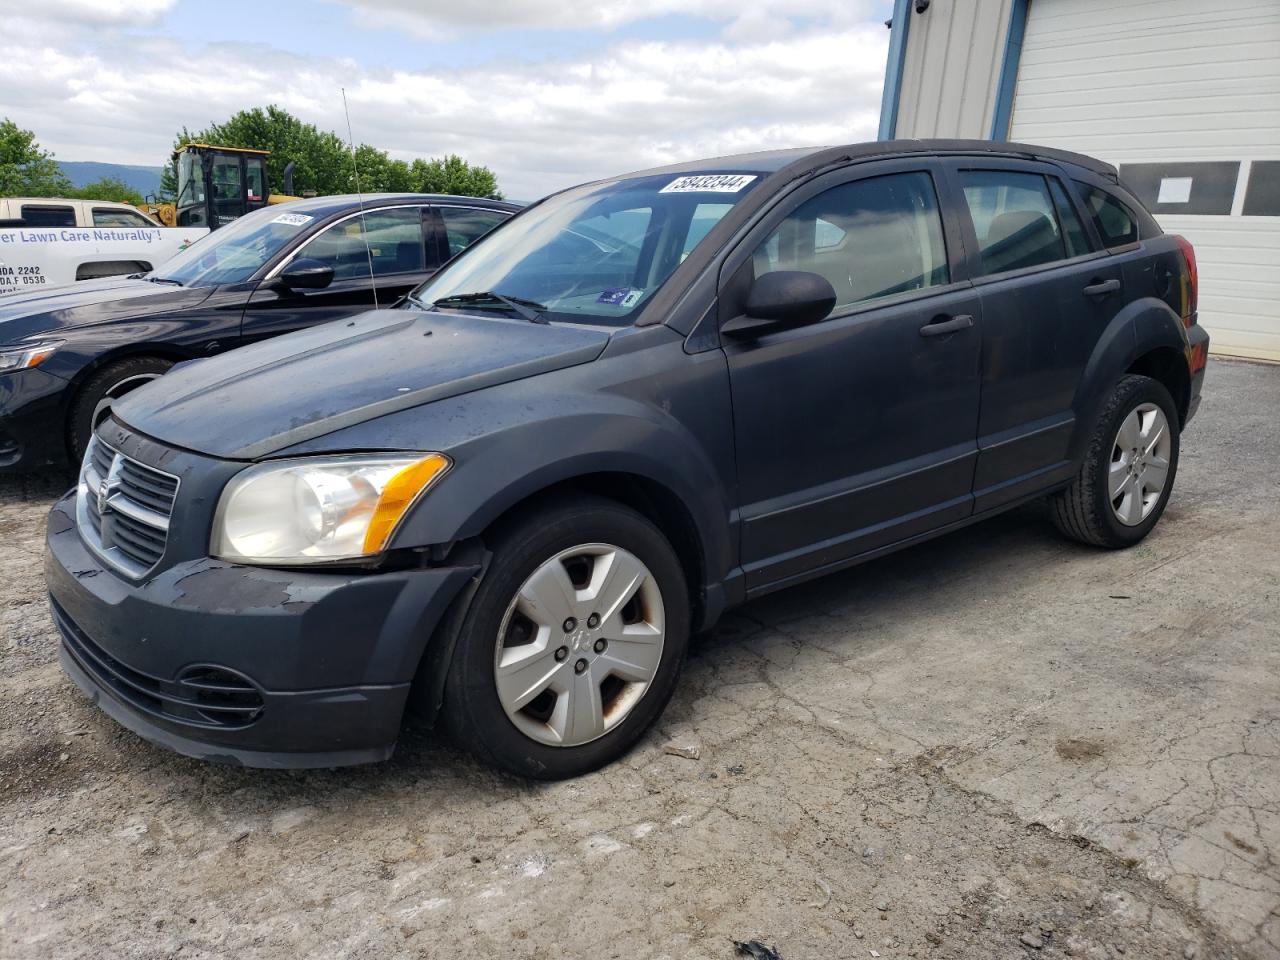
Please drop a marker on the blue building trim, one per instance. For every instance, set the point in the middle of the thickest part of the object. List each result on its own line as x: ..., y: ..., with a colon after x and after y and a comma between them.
x: 893, y: 70
x: 1009, y: 70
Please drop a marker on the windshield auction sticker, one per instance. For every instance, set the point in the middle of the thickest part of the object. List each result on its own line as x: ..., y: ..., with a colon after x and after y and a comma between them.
x: 709, y: 183
x: 293, y: 219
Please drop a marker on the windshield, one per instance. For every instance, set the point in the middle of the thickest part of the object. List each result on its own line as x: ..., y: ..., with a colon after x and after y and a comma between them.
x: 190, y: 179
x: 234, y: 253
x: 595, y: 254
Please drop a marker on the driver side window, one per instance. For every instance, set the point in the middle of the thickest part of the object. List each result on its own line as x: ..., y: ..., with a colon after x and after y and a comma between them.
x: 395, y: 244
x: 871, y: 238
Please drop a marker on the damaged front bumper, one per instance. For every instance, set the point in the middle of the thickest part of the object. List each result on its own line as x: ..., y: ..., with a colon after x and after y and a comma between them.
x: 246, y: 665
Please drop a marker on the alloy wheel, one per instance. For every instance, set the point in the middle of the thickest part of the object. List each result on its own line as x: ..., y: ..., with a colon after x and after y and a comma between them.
x: 1140, y: 459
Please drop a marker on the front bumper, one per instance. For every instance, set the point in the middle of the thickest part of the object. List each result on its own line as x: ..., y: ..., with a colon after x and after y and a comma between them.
x: 310, y: 669
x: 33, y: 430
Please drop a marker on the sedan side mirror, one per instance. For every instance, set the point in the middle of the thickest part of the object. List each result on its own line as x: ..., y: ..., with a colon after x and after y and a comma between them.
x: 307, y: 274
x: 781, y: 300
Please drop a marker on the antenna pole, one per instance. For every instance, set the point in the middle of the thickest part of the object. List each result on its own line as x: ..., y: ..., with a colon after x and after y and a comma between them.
x: 355, y: 168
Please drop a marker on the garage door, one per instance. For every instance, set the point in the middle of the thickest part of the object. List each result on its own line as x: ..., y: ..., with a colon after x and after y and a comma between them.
x: 1184, y: 97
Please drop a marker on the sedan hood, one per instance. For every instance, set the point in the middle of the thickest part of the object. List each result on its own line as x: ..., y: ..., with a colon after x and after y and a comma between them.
x: 251, y: 402
x: 87, y: 302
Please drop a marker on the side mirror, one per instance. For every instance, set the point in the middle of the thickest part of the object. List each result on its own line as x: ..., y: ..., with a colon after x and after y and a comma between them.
x: 307, y: 274
x: 781, y: 300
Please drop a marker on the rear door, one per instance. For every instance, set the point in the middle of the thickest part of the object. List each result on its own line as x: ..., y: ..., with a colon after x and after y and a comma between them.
x: 396, y: 259
x: 1047, y: 292
x: 857, y: 431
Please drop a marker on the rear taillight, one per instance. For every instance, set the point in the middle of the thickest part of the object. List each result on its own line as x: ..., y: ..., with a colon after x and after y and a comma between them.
x: 1191, y: 282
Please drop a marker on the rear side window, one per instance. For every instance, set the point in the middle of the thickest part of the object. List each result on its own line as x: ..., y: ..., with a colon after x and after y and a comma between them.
x: 870, y: 238
x: 464, y: 226
x: 1115, y: 222
x: 1015, y: 218
x: 48, y: 216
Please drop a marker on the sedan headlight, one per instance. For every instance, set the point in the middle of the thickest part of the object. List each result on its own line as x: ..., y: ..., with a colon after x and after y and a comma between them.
x: 319, y: 510
x: 26, y: 355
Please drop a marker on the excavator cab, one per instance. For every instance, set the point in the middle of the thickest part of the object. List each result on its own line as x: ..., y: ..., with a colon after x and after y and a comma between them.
x: 218, y: 184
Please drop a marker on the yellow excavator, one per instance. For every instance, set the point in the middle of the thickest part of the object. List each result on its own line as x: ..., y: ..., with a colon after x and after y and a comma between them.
x: 218, y: 184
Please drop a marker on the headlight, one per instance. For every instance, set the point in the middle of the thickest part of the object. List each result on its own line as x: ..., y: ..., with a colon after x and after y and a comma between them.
x: 312, y: 511
x: 27, y: 355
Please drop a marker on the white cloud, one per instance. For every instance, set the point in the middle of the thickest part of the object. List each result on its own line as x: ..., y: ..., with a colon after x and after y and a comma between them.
x: 540, y: 126
x: 434, y: 18
x: 97, y: 12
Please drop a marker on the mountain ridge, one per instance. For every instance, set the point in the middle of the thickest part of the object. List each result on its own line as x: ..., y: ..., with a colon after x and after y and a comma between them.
x: 143, y: 179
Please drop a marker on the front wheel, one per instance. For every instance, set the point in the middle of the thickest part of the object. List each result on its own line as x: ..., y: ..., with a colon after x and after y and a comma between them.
x: 94, y: 399
x: 573, y: 642
x: 1127, y: 475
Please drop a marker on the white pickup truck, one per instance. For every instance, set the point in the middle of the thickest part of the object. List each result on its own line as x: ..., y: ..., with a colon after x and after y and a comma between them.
x: 47, y: 241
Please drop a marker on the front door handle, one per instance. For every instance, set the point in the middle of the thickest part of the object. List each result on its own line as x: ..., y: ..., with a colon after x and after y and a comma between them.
x: 941, y: 325
x: 1100, y: 288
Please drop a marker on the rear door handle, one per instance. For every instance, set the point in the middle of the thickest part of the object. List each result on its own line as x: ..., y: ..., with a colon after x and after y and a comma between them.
x: 942, y: 325
x: 1101, y: 288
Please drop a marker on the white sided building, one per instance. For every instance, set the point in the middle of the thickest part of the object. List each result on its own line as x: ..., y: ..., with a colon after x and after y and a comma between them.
x: 1183, y: 96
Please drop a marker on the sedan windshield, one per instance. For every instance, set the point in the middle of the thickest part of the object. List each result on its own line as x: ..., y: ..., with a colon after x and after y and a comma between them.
x: 236, y: 252
x: 594, y: 254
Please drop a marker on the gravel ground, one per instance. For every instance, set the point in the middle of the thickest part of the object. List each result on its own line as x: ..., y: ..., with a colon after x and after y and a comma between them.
x: 996, y: 745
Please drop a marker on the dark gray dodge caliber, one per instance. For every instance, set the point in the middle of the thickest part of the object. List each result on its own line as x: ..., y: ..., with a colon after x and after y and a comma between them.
x: 508, y: 502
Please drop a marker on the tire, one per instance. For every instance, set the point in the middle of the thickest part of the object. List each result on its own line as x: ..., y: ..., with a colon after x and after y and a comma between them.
x: 110, y: 383
x: 1085, y: 510
x: 595, y: 543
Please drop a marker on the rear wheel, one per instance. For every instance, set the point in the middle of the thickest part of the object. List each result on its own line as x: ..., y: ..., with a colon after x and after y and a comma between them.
x: 93, y: 402
x: 573, y: 642
x: 1127, y: 475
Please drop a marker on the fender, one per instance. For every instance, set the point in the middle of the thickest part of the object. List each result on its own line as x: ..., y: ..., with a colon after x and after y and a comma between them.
x: 1140, y: 327
x: 505, y: 467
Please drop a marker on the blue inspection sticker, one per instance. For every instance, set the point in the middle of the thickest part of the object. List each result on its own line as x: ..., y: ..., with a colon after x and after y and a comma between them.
x: 614, y: 296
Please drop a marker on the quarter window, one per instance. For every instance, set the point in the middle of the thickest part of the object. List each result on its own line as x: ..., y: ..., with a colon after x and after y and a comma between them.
x: 1115, y: 222
x: 395, y: 244
x: 463, y: 226
x: 1013, y: 215
x: 871, y: 238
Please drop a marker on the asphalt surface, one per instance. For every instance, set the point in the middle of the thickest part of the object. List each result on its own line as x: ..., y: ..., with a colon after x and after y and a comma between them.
x: 999, y: 744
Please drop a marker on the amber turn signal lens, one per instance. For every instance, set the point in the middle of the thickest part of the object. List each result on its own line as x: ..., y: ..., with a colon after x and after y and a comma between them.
x: 398, y: 495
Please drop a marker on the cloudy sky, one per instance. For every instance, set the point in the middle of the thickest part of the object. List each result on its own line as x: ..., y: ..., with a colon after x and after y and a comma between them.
x: 546, y: 92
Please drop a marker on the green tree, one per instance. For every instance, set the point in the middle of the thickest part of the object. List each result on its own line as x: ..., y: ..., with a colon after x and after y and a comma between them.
x: 454, y: 175
x: 25, y: 169
x: 323, y: 162
x: 108, y: 188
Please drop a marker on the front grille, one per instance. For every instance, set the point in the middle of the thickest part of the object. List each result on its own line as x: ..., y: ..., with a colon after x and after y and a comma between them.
x: 123, y: 509
x: 202, y: 696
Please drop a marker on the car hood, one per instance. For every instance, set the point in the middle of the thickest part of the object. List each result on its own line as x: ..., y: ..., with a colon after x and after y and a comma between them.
x: 88, y: 302
x: 251, y: 402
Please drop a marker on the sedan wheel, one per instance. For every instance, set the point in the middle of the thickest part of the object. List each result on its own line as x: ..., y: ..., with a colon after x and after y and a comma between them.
x: 580, y: 644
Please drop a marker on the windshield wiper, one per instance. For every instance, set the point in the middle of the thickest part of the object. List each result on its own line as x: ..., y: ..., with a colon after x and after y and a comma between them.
x: 531, y: 310
x: 176, y: 283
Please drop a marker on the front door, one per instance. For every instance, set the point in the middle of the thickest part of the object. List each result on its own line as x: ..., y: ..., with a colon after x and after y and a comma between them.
x: 393, y: 262
x: 1047, y: 295
x: 857, y: 431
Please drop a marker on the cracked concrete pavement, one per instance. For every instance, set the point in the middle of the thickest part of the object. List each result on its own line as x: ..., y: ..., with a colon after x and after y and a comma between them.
x: 999, y: 744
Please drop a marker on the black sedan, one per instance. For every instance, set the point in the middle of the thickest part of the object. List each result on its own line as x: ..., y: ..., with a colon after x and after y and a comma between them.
x: 67, y: 352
